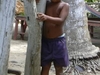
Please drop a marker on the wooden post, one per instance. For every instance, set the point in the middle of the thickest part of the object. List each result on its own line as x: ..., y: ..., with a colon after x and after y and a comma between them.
x: 32, y: 66
x: 7, y: 11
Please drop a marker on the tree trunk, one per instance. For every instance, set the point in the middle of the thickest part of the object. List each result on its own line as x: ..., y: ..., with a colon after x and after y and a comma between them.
x: 32, y: 66
x: 78, y: 37
x: 79, y: 42
x: 7, y: 8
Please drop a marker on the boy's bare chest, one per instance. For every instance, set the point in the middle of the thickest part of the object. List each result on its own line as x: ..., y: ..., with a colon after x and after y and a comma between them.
x: 53, y: 10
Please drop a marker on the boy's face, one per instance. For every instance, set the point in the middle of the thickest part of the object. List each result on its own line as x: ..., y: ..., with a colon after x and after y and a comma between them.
x: 55, y: 0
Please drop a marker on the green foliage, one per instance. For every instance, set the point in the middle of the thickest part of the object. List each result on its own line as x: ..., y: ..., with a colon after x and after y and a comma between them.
x: 90, y: 0
x: 22, y: 14
x: 90, y: 15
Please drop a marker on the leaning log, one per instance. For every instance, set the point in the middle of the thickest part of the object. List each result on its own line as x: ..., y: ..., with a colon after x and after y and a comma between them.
x: 32, y: 66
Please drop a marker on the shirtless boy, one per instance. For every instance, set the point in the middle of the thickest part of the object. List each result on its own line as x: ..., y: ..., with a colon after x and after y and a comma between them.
x: 53, y: 40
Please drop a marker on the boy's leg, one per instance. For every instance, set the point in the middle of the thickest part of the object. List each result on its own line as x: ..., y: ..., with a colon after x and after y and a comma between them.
x: 45, y: 69
x: 59, y: 69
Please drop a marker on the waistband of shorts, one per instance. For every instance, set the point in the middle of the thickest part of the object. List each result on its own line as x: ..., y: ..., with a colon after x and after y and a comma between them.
x: 58, y: 38
x: 63, y: 35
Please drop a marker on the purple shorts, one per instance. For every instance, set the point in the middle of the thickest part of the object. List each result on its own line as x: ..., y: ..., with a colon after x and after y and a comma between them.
x: 54, y: 50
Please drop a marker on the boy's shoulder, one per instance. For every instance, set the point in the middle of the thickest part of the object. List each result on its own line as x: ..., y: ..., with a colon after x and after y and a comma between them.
x: 65, y: 3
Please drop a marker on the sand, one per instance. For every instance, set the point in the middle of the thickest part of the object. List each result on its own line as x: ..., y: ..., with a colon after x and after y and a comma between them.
x: 17, y: 55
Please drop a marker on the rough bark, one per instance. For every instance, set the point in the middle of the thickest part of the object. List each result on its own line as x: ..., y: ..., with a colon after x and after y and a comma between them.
x: 78, y: 37
x: 82, y: 53
x: 32, y: 66
x: 7, y: 11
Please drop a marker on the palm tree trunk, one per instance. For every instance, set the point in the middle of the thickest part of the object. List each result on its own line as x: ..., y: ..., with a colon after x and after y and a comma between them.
x: 7, y: 8
x: 80, y: 48
x: 32, y: 66
x: 78, y: 37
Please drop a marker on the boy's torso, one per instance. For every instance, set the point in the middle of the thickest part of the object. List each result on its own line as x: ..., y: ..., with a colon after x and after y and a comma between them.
x: 51, y: 30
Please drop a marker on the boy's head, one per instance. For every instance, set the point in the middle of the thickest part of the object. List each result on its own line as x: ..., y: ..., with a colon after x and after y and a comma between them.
x: 55, y: 0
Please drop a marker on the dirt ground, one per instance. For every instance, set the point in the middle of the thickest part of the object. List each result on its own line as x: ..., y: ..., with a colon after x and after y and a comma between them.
x: 18, y: 53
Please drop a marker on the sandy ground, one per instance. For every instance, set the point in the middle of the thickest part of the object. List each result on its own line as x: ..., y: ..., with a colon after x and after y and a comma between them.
x: 18, y: 54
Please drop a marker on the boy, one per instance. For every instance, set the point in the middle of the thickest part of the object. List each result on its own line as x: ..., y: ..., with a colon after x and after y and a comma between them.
x: 53, y: 38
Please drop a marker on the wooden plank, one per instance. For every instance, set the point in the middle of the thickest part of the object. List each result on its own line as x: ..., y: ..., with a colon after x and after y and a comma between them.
x: 93, y: 24
x: 92, y: 21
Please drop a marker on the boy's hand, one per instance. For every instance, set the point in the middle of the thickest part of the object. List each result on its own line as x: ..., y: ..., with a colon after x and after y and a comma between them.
x: 41, y: 17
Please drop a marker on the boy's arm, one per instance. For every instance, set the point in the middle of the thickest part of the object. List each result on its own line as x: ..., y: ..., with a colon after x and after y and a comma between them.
x: 56, y: 20
x: 62, y: 17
